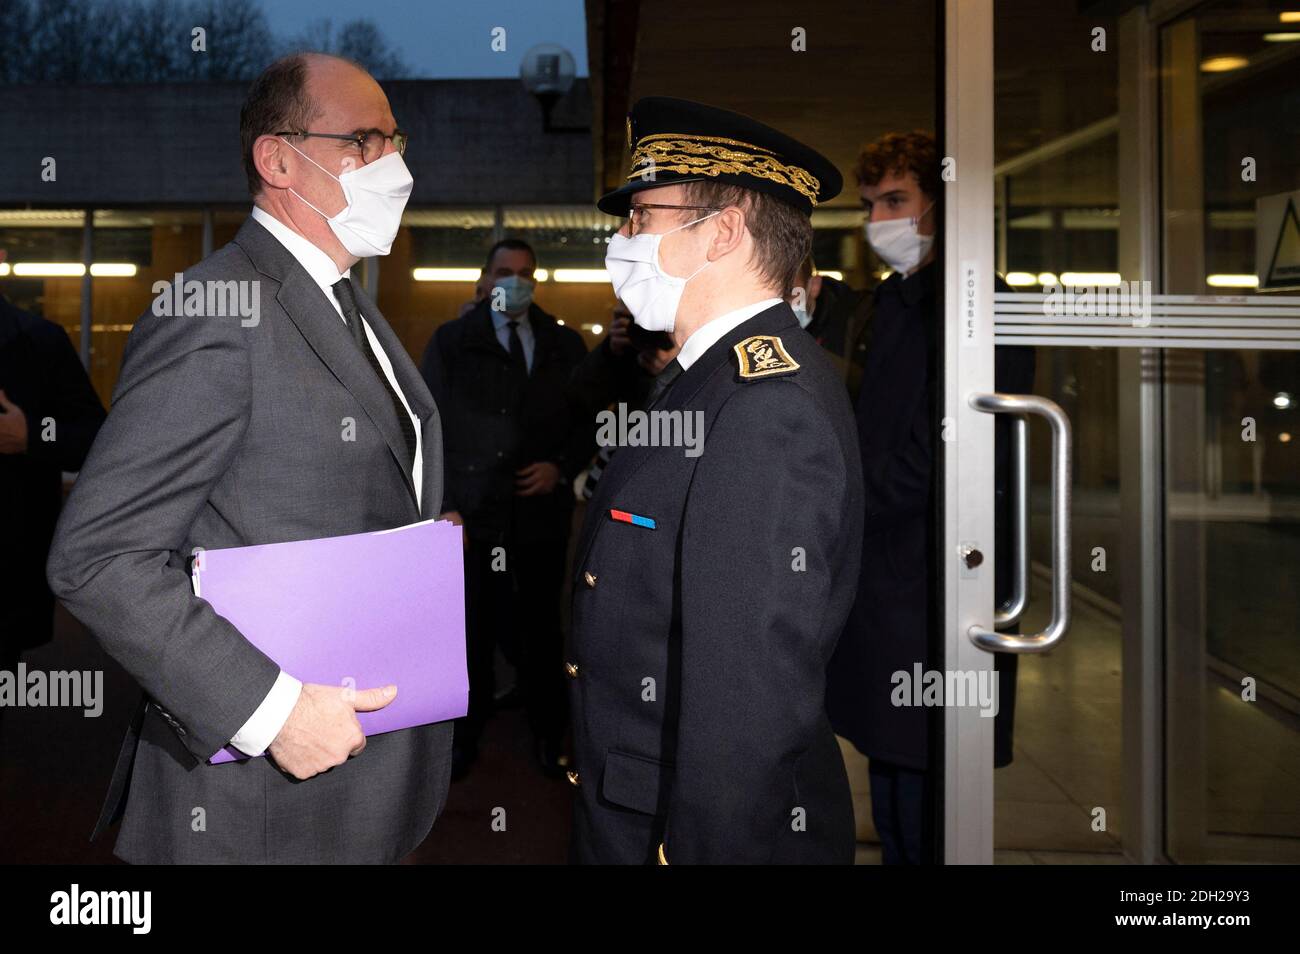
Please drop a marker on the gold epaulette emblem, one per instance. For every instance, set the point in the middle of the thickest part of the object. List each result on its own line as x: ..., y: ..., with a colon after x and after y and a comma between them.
x: 763, y: 356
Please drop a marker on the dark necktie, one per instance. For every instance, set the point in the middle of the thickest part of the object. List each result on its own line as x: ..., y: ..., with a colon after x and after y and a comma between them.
x: 671, y: 372
x: 518, y: 363
x: 348, y: 302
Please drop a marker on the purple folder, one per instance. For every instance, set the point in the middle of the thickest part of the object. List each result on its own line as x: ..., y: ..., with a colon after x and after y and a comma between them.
x: 364, y: 610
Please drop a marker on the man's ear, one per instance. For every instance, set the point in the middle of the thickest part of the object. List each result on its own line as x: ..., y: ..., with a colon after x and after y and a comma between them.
x: 269, y: 158
x: 730, y: 232
x: 814, y: 289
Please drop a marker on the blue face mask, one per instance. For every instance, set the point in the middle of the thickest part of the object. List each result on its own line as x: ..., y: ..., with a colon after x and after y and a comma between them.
x: 518, y: 294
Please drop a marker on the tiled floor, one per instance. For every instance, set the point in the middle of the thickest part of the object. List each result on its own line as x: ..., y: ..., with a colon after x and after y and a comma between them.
x: 1067, y: 767
x: 55, y: 764
x: 1066, y: 770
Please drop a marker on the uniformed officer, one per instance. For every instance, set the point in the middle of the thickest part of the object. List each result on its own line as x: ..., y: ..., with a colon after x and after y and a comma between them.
x: 709, y: 586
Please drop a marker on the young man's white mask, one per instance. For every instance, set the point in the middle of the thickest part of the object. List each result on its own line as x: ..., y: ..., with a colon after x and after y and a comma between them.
x: 650, y: 293
x: 898, y: 243
x: 376, y: 195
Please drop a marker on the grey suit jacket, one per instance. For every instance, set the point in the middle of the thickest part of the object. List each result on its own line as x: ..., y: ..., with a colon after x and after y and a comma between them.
x: 222, y: 435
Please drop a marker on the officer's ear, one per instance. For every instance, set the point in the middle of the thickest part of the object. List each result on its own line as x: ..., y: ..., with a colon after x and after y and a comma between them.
x: 730, y: 232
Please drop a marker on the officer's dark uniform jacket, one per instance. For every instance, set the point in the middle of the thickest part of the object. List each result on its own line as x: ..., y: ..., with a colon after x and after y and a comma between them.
x: 495, y: 423
x: 698, y: 648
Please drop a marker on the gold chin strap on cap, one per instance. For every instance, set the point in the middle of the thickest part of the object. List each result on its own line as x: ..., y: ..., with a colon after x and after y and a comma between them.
x: 713, y: 156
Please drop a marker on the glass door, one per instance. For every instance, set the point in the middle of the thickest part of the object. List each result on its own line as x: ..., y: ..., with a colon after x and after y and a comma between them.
x: 1230, y: 95
x: 1159, y: 720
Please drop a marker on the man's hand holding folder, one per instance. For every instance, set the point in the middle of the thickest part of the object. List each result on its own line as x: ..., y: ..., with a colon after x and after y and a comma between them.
x: 322, y: 730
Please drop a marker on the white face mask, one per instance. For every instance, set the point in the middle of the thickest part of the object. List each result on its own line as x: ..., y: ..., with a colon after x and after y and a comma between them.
x: 802, y: 314
x: 639, y: 281
x: 376, y: 195
x: 898, y: 243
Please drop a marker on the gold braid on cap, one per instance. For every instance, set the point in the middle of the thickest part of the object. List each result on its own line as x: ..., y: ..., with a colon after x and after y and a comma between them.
x: 712, y: 156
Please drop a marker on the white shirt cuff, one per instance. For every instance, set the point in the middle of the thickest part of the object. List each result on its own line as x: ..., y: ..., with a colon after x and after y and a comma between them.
x: 265, y: 724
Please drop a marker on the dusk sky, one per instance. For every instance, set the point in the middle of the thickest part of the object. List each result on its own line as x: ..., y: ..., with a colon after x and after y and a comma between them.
x: 450, y: 38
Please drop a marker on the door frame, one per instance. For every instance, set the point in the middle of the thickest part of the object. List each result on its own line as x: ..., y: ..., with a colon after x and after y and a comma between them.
x: 966, y: 107
x: 965, y: 494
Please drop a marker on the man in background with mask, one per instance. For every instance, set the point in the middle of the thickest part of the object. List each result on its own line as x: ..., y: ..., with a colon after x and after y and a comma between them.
x: 305, y: 419
x: 517, y: 435
x: 835, y: 315
x: 620, y: 370
x: 709, y: 586
x: 889, y: 629
x: 49, y: 415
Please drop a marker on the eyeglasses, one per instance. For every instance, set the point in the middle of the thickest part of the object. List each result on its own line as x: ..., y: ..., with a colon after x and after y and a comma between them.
x: 371, y: 142
x: 637, y: 213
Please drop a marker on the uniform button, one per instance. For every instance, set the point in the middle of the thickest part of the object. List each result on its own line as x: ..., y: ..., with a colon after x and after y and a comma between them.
x: 573, y: 778
x: 571, y: 670
x: 590, y: 579
x: 501, y: 453
x: 503, y: 410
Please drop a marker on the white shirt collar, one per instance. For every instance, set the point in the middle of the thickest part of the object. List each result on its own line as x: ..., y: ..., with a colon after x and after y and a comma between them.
x: 319, y: 266
x: 500, y: 319
x: 707, y: 334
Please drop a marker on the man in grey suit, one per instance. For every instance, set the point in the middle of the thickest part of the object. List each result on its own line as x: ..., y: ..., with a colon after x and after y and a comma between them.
x: 304, y: 420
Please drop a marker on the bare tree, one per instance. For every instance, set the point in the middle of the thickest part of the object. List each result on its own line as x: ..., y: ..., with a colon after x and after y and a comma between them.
x: 151, y: 41
x: 60, y: 34
x: 240, y: 44
x: 358, y: 40
x: 15, y: 41
x: 361, y: 40
x: 317, y: 36
x: 139, y: 41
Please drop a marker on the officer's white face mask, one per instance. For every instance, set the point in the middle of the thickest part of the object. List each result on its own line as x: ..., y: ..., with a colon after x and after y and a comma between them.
x: 898, y: 243
x: 650, y: 293
x: 376, y: 195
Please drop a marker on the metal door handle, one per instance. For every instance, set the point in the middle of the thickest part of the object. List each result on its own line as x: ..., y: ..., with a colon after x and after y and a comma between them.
x: 1009, y: 613
x: 996, y: 642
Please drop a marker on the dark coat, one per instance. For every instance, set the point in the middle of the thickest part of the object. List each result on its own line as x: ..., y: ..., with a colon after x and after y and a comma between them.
x: 840, y: 324
x: 699, y: 648
x: 604, y: 378
x: 494, y: 424
x: 891, y: 625
x: 41, y: 374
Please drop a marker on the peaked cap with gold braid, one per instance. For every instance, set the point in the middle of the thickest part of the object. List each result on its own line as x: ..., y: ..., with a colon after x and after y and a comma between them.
x: 676, y: 140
